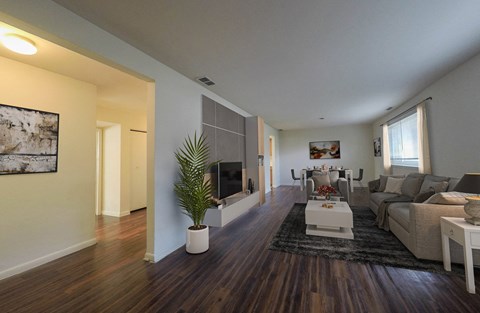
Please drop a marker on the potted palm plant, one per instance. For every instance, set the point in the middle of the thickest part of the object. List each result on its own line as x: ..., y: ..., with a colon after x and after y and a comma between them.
x: 194, y: 191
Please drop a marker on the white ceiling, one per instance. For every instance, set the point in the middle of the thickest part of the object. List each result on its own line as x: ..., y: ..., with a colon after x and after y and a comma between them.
x: 295, y: 61
x: 115, y: 89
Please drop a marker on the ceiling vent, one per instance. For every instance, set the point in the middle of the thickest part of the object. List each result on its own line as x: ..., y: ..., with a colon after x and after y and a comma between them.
x: 205, y: 80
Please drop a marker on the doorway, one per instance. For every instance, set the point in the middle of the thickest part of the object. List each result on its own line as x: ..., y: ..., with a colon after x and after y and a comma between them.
x: 272, y: 161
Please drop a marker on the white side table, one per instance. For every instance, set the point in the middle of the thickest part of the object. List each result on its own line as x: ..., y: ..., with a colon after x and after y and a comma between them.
x: 466, y: 234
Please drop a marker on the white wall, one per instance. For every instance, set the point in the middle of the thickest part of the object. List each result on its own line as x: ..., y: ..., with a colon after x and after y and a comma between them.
x: 356, y: 148
x: 453, y: 121
x: 267, y: 132
x: 176, y: 113
x: 45, y: 216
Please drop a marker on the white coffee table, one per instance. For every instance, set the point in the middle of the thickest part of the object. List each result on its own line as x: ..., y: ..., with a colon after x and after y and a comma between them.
x: 335, y: 222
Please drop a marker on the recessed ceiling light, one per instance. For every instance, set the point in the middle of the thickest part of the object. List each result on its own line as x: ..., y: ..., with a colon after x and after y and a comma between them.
x: 18, y: 44
x: 321, y: 118
x: 389, y: 108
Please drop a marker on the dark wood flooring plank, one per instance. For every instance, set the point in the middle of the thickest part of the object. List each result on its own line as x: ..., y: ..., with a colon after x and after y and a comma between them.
x: 237, y: 274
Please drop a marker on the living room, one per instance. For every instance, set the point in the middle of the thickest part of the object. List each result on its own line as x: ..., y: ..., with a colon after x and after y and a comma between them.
x: 454, y: 151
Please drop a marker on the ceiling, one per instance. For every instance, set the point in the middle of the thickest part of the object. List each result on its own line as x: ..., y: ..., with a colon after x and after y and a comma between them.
x: 115, y: 89
x: 293, y: 62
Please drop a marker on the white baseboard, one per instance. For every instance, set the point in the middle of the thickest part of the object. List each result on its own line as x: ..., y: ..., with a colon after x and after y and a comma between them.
x: 115, y: 213
x: 45, y: 259
x: 150, y: 257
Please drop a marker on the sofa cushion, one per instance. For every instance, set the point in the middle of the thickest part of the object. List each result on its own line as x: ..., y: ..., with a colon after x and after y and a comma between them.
x: 378, y: 197
x: 400, y: 212
x: 319, y: 180
x: 430, y: 181
x: 411, y: 185
x: 394, y: 185
x: 383, y: 181
x: 453, y: 197
x: 334, y: 176
x: 452, y: 183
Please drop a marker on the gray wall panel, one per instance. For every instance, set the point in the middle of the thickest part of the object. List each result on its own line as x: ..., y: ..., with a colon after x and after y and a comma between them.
x: 227, y: 146
x: 210, y: 134
x: 208, y: 111
x: 241, y: 125
x: 226, y: 118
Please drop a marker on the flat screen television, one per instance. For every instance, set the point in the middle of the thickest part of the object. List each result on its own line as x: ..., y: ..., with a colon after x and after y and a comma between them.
x: 229, y: 179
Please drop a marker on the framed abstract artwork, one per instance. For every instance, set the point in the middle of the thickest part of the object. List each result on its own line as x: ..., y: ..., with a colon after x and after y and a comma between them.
x: 28, y: 141
x: 325, y: 149
x: 377, y: 147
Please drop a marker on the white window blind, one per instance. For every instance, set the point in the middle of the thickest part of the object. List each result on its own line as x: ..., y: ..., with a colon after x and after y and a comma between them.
x: 403, y: 139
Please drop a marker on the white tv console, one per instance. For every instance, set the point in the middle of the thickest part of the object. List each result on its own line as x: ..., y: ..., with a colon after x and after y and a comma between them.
x: 234, y: 208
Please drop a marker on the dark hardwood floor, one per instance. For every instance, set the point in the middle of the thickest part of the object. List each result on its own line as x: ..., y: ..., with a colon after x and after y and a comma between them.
x: 237, y: 274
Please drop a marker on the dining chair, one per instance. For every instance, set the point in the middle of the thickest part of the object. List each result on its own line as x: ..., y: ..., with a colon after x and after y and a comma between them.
x: 293, y: 177
x: 360, y: 175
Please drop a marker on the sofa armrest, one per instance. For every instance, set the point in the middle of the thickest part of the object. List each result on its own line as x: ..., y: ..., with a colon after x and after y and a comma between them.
x: 424, y: 224
x: 374, y: 185
x: 343, y: 188
x: 309, y: 187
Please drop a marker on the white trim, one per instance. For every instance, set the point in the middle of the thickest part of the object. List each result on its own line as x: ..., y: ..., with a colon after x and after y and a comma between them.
x: 46, y: 258
x: 230, y: 131
x: 150, y: 257
x: 115, y: 213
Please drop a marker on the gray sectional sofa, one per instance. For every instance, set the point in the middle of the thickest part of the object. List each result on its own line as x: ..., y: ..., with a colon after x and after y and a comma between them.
x: 416, y: 223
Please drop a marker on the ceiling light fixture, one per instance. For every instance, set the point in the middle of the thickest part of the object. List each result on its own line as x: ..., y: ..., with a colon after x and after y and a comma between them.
x: 18, y: 44
x: 389, y: 108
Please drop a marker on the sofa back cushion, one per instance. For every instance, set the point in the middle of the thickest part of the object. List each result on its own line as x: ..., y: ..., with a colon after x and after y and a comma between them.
x: 432, y: 182
x: 334, y: 176
x: 411, y: 185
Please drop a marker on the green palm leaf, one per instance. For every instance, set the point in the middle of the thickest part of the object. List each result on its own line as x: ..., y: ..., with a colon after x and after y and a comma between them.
x: 193, y: 190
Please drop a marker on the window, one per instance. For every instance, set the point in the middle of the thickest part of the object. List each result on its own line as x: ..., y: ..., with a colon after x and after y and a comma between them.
x: 403, y: 139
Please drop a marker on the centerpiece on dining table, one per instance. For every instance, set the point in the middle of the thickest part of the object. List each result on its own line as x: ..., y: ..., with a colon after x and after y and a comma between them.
x: 326, y: 191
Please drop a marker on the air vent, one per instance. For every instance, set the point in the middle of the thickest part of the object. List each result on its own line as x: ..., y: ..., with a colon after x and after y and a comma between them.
x: 205, y: 80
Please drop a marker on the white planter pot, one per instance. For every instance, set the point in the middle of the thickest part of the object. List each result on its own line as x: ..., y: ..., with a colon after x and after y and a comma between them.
x: 197, y: 241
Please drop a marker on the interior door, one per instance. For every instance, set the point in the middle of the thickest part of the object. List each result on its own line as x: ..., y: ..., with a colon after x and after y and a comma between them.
x: 138, y: 170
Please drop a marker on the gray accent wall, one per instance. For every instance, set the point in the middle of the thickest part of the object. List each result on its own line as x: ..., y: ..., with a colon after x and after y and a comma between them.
x: 225, y: 132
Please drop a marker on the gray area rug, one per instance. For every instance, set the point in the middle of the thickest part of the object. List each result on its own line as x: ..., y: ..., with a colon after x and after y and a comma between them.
x: 371, y: 244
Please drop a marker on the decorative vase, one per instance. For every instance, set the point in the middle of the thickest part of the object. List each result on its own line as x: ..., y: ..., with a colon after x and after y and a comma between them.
x: 197, y: 240
x: 327, y: 196
x: 472, y: 208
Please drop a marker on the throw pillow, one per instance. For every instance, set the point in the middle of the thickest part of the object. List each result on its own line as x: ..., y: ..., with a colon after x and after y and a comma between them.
x: 422, y: 197
x: 440, y: 186
x: 394, y: 185
x: 453, y: 197
x: 431, y: 181
x: 383, y: 181
x: 321, y: 180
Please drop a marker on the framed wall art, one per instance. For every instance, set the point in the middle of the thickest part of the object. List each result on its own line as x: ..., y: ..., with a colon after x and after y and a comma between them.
x: 28, y: 141
x: 377, y: 147
x: 325, y: 149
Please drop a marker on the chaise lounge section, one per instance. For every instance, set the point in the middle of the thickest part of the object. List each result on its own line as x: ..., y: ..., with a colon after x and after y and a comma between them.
x: 416, y: 223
